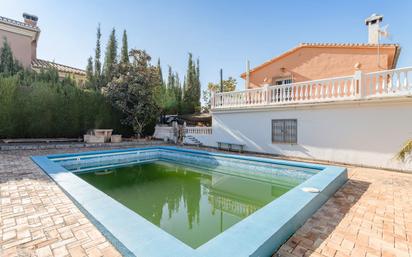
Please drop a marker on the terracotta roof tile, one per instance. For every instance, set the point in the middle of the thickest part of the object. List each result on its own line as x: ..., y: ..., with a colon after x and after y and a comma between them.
x: 43, y: 64
x: 345, y: 44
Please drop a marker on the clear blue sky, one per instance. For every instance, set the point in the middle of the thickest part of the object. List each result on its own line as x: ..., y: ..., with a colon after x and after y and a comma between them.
x: 223, y: 34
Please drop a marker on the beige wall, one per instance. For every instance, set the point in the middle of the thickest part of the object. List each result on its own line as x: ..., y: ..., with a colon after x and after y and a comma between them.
x: 21, y: 45
x: 311, y: 63
x: 80, y: 79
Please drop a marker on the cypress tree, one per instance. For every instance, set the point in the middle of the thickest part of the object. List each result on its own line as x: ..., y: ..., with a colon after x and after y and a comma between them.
x: 7, y: 63
x: 110, y: 56
x: 187, y: 108
x: 184, y: 88
x: 159, y: 70
x: 170, y: 79
x: 197, y: 90
x: 170, y: 92
x: 178, y: 93
x: 161, y: 91
x: 176, y: 82
x: 191, y: 95
x: 125, y: 51
x: 97, y: 62
x: 89, y: 71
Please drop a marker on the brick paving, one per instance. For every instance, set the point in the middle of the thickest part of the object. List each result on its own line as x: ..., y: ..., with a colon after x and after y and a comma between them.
x: 37, y: 218
x: 369, y: 216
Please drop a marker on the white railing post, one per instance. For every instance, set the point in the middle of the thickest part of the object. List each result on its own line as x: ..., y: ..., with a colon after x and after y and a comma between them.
x: 212, y: 99
x: 358, y: 78
x: 359, y: 85
x: 266, y: 90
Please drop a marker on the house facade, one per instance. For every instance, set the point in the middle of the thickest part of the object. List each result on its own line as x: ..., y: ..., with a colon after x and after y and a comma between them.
x: 313, y: 61
x: 23, y: 39
x: 318, y: 61
x: 344, y: 103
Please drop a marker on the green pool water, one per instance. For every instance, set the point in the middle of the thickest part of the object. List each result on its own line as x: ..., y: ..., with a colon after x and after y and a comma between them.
x: 192, y: 204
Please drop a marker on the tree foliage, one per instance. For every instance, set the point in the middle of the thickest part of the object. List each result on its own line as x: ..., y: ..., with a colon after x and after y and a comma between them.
x: 137, y: 89
x: 228, y: 85
x: 191, y: 95
x: 97, y: 80
x: 169, y: 95
x: 124, y: 54
x: 110, y: 62
x: 39, y: 105
x: 89, y: 73
x: 405, y: 151
x: 133, y: 92
x: 8, y: 65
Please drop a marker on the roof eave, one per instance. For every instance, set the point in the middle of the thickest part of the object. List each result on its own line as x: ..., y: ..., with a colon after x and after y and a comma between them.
x: 314, y: 45
x: 396, y: 56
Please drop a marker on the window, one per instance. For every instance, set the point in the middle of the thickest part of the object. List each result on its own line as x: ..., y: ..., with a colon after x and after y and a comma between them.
x: 282, y: 80
x: 285, y: 131
x: 286, y: 92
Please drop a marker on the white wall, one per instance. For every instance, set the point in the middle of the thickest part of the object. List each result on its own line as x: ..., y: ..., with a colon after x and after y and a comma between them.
x: 366, y: 133
x: 207, y: 140
x: 164, y: 133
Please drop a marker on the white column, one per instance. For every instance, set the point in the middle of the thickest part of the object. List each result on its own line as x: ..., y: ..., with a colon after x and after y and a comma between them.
x: 266, y: 90
x: 359, y: 79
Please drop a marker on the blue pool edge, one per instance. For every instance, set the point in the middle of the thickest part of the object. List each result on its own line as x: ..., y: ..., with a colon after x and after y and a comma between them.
x: 260, y: 234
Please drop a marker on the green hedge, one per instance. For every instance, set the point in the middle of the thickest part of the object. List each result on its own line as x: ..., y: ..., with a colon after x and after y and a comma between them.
x: 39, y: 106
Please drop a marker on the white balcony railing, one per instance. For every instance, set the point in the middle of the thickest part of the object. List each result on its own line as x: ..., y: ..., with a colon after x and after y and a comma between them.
x: 389, y: 83
x: 198, y: 130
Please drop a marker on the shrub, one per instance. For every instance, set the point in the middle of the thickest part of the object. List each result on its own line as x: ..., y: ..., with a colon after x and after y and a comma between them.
x: 40, y: 105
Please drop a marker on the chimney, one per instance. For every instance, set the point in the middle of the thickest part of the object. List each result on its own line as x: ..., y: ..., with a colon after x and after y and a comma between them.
x: 30, y: 19
x: 373, y: 28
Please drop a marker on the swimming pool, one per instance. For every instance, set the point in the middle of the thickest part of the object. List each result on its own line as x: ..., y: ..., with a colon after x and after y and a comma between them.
x: 167, y: 201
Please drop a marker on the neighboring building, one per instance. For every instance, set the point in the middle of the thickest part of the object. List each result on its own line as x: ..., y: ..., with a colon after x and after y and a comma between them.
x: 63, y: 70
x: 313, y: 61
x: 23, y: 38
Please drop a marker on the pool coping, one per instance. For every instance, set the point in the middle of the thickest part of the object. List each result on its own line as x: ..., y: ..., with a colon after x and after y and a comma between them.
x: 259, y: 234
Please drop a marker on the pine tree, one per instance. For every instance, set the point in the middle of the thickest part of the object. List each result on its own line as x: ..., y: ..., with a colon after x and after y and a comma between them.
x: 89, y: 72
x: 97, y: 62
x: 125, y: 51
x: 110, y: 57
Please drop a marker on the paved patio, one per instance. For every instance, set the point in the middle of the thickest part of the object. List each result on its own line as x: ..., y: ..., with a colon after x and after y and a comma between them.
x: 369, y: 216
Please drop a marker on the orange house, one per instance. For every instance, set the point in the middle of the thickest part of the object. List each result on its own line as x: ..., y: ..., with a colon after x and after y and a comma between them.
x: 313, y: 61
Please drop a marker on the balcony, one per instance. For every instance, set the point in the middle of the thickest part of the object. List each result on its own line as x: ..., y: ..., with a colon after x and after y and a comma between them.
x: 360, y: 86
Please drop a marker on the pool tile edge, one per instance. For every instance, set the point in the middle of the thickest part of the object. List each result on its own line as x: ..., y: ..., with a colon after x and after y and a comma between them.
x: 272, y: 232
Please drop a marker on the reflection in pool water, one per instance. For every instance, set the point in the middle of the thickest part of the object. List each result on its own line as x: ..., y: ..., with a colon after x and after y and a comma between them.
x: 191, y: 203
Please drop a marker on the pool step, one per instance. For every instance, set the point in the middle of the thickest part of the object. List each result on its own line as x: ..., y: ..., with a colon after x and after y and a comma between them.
x: 191, y: 140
